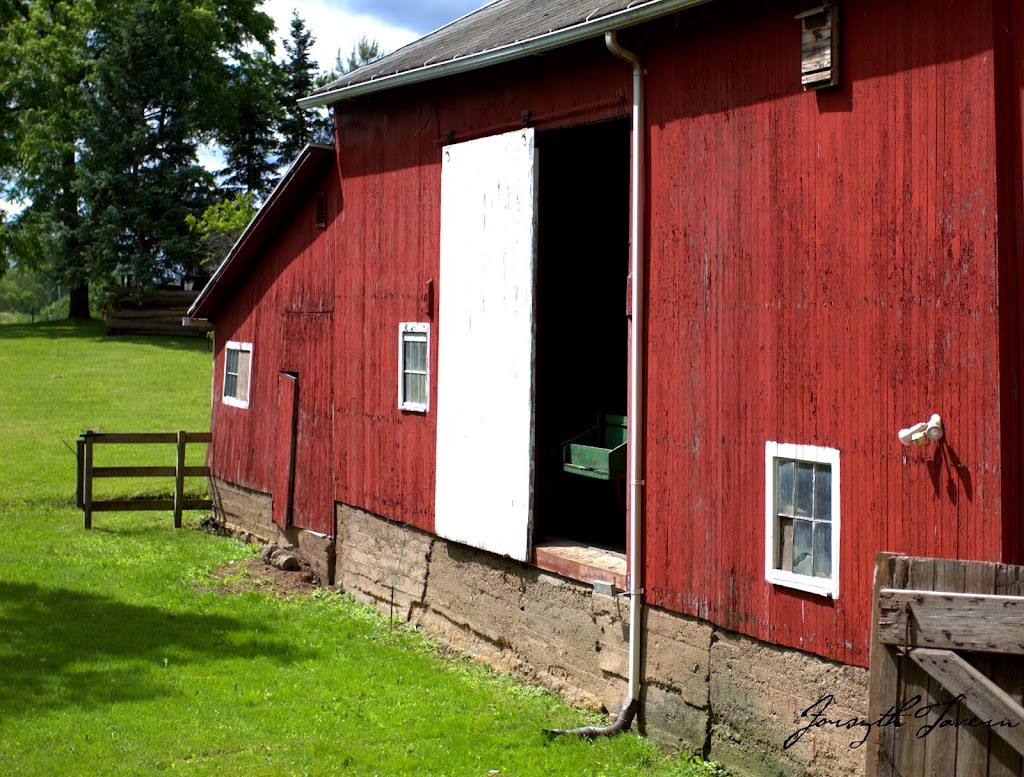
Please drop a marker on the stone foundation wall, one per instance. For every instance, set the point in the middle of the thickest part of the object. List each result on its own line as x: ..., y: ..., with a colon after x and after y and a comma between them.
x: 730, y: 697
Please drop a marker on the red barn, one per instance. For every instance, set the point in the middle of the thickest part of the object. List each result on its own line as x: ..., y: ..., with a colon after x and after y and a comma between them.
x: 589, y: 308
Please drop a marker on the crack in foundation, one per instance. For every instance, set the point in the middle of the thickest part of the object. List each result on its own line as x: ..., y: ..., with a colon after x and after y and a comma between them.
x: 709, y: 727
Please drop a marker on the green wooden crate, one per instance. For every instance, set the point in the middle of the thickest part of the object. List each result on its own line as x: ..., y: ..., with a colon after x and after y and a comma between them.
x: 600, y: 451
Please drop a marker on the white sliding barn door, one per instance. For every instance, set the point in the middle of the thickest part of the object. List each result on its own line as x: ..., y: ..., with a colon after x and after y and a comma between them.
x: 486, y: 343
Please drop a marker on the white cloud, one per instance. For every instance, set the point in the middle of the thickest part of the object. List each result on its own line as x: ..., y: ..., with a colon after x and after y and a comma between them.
x: 335, y: 29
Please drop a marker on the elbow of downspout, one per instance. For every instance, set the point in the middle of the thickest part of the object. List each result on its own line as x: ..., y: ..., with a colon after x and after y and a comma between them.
x: 622, y: 723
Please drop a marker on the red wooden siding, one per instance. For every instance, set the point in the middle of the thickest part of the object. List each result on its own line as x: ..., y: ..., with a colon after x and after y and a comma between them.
x: 823, y: 270
x: 285, y: 307
x: 390, y: 159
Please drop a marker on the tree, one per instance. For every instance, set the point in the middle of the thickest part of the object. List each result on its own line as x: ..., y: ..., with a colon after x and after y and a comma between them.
x: 299, y: 127
x: 221, y: 224
x: 364, y: 51
x: 111, y: 100
x: 44, y: 63
x: 249, y: 138
x: 26, y: 292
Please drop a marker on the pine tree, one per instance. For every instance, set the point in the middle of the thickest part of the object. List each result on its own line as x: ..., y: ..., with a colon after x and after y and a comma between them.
x: 250, y: 142
x: 363, y: 52
x: 299, y: 126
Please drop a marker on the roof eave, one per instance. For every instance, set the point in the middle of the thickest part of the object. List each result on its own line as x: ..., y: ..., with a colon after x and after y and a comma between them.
x: 646, y: 11
x: 200, y: 307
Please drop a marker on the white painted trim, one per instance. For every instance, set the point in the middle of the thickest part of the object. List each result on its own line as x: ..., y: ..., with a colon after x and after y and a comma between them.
x: 403, y: 404
x: 233, y: 345
x: 818, y: 455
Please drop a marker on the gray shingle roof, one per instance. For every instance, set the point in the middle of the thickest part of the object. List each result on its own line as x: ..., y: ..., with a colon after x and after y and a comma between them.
x: 500, y: 31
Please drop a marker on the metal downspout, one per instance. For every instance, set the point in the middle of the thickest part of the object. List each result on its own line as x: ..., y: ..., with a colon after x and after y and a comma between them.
x: 636, y: 406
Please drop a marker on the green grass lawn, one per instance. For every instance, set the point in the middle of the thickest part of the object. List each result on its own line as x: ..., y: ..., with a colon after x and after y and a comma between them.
x: 117, y: 656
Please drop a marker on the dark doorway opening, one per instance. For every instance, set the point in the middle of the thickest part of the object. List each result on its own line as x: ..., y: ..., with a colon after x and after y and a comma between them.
x: 581, y: 337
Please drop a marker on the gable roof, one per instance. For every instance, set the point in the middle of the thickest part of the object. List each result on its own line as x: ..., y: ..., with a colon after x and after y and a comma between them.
x: 503, y: 31
x: 308, y: 165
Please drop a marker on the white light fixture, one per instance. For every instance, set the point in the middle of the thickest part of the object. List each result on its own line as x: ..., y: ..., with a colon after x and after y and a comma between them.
x: 920, y: 434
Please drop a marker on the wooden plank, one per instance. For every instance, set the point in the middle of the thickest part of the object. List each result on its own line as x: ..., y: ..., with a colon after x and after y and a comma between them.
x: 115, y: 505
x: 972, y: 744
x: 141, y: 505
x: 952, y: 621
x: 881, y: 682
x: 577, y: 569
x: 1008, y: 674
x: 992, y: 706
x: 121, y: 438
x: 285, y: 448
x: 940, y: 748
x: 127, y: 438
x: 148, y: 472
x: 914, y: 685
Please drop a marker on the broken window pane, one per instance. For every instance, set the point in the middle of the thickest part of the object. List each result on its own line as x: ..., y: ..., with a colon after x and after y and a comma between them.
x: 785, y: 558
x: 802, y: 547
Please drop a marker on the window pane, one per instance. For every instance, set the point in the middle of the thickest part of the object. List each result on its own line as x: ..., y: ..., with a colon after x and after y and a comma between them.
x: 784, y: 559
x: 421, y: 356
x: 784, y: 488
x: 409, y: 356
x: 822, y: 549
x: 232, y: 360
x: 802, y: 547
x: 230, y: 385
x: 407, y: 393
x: 242, y: 385
x: 823, y: 492
x: 804, y: 488
x: 419, y: 389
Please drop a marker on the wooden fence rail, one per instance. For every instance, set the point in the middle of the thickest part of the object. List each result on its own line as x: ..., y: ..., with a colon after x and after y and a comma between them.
x: 87, y: 472
x: 947, y: 673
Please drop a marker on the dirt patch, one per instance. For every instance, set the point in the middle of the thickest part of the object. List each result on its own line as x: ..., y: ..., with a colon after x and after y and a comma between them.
x: 255, y: 574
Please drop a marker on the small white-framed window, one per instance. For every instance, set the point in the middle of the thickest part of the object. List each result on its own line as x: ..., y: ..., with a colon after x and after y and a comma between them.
x: 414, y: 366
x: 237, y: 369
x: 802, y: 517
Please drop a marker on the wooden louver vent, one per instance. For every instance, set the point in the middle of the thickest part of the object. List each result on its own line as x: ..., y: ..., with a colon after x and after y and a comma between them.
x: 321, y: 210
x: 819, y: 63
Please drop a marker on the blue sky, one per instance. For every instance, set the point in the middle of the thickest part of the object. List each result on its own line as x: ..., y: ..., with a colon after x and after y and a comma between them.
x: 338, y: 24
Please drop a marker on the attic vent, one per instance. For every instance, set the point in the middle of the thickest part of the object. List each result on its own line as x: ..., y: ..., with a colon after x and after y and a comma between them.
x: 321, y: 210
x: 819, y: 65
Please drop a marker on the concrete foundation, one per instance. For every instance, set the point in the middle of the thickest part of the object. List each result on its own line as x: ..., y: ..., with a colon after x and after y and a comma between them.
x: 730, y: 697
x: 726, y: 696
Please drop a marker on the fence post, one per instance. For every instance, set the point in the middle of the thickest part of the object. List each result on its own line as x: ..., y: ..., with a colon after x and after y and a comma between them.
x: 79, y: 466
x: 179, y: 479
x: 87, y: 480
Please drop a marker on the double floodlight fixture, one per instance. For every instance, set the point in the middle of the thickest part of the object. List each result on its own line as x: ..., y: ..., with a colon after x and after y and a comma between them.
x: 922, y: 433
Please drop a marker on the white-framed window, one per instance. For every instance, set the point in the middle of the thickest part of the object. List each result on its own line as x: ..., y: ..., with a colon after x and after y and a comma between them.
x: 237, y: 369
x: 802, y: 517
x: 414, y: 366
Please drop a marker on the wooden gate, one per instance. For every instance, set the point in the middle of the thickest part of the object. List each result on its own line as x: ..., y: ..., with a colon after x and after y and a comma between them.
x: 947, y: 668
